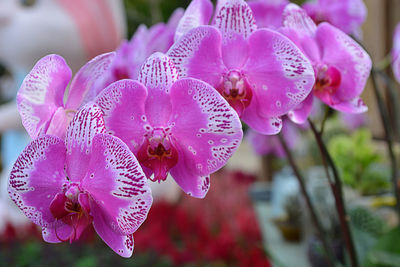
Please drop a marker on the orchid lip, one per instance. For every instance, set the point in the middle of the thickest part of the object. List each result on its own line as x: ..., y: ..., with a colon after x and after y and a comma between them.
x: 158, y: 153
x: 327, y: 82
x: 236, y: 90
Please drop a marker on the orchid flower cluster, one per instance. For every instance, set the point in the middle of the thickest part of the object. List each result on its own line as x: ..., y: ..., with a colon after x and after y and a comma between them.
x: 161, y: 106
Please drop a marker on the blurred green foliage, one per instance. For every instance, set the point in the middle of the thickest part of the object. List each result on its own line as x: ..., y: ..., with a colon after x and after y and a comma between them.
x: 359, y: 164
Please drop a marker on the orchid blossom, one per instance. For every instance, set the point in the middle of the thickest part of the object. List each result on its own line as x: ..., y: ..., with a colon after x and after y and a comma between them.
x: 268, y: 13
x: 347, y: 15
x: 341, y: 65
x: 260, y: 72
x: 182, y: 127
x: 91, y: 178
x: 40, y: 99
x: 396, y: 53
x: 131, y: 54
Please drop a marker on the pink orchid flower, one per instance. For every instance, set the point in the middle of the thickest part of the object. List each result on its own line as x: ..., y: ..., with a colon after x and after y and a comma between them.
x: 396, y: 53
x: 131, y: 54
x: 260, y: 72
x: 91, y: 178
x: 182, y: 127
x: 40, y: 99
x: 341, y: 65
x: 347, y: 15
x: 268, y: 13
x: 270, y: 144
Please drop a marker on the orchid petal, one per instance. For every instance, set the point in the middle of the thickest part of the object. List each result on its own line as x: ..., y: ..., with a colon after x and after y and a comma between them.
x: 268, y: 14
x: 42, y: 92
x: 235, y: 16
x: 36, y: 178
x: 194, y: 52
x: 342, y: 52
x: 158, y: 73
x: 294, y: 17
x: 59, y: 123
x: 355, y: 105
x: 84, y: 126
x: 279, y: 73
x: 57, y: 234
x: 259, y: 123
x: 118, y: 187
x: 207, y: 130
x: 83, y: 89
x: 123, y: 105
x: 196, y: 14
x: 300, y: 113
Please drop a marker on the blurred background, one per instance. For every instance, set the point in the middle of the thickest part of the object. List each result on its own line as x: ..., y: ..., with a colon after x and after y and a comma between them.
x: 253, y: 214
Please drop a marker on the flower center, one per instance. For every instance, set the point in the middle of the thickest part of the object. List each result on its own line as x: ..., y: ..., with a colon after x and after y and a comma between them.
x: 72, y: 208
x: 158, y: 153
x: 235, y: 89
x: 327, y: 82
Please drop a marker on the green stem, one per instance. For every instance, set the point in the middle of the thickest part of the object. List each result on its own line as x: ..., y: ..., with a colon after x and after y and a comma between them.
x: 310, y: 206
x: 336, y: 188
x: 388, y: 138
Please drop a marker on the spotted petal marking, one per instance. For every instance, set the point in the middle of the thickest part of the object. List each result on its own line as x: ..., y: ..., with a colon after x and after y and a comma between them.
x: 83, y: 89
x: 294, y: 17
x: 42, y: 92
x: 37, y: 176
x: 84, y: 126
x: 196, y: 14
x: 208, y: 131
x: 235, y: 17
x: 117, y: 185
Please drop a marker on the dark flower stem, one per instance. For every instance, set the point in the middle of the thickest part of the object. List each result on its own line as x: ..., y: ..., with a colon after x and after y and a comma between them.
x: 336, y: 188
x: 388, y: 138
x: 310, y: 206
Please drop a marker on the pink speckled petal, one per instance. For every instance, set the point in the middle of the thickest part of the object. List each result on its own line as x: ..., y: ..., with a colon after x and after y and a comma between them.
x: 259, y: 123
x: 198, y: 54
x: 396, y: 53
x: 158, y: 73
x: 342, y: 52
x: 294, y: 17
x: 84, y: 126
x: 37, y: 176
x: 300, y: 113
x: 117, y: 185
x: 355, y: 105
x: 42, y: 92
x: 206, y: 128
x: 83, y: 89
x: 278, y: 72
x: 123, y: 105
x: 196, y: 14
x: 235, y: 16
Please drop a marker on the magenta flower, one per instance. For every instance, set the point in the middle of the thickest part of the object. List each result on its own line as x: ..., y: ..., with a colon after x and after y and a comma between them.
x: 261, y: 73
x: 270, y: 144
x: 40, y: 99
x: 91, y: 178
x: 131, y: 54
x: 396, y: 53
x: 341, y: 65
x: 347, y: 15
x: 268, y: 13
x: 182, y: 127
